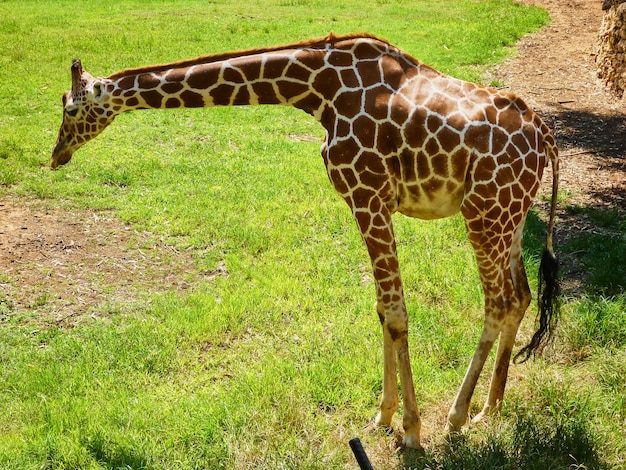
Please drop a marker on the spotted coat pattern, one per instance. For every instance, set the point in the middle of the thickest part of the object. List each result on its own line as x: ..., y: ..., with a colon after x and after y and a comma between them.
x: 400, y: 137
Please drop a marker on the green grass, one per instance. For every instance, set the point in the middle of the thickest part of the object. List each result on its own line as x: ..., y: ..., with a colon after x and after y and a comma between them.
x: 277, y: 363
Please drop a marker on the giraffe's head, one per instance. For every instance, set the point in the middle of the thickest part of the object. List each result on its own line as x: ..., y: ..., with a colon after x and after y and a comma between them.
x: 86, y: 112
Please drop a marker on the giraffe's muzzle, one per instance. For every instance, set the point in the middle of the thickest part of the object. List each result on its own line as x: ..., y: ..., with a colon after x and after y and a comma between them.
x: 60, y: 155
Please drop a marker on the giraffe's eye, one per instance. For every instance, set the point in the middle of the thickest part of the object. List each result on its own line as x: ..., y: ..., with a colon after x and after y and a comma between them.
x: 72, y: 111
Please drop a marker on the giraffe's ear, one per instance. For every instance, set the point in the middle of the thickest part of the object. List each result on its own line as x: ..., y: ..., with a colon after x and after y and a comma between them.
x: 98, y: 88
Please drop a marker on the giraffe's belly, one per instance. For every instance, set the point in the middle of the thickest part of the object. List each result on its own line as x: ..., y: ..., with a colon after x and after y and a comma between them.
x: 430, y: 200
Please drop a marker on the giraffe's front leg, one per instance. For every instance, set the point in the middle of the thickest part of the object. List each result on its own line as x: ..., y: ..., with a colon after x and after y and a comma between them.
x: 377, y: 233
x: 389, y: 400
x: 396, y: 347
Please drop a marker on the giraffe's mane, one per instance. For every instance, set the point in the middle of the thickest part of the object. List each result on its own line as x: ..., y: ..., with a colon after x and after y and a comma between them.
x: 309, y: 43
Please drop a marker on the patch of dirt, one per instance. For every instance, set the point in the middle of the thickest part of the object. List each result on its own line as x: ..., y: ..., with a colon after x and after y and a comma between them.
x: 58, y: 267
x: 555, y: 72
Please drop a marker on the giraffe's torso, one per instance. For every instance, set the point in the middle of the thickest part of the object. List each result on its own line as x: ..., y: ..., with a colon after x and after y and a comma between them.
x: 414, y: 136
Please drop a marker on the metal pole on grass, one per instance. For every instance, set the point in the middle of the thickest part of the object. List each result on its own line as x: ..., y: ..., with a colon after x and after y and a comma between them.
x: 359, y: 454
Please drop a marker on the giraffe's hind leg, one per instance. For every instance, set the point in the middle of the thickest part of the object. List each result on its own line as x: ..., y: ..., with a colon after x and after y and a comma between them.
x: 509, y: 328
x: 498, y: 255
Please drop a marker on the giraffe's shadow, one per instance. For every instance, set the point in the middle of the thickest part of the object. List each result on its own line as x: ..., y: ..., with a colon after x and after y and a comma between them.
x: 528, y: 440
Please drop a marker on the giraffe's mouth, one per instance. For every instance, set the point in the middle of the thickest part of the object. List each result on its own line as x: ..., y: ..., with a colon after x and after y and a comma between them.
x: 60, y: 155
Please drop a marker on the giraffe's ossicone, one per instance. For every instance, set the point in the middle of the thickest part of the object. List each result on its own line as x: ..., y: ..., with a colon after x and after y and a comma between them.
x: 400, y: 137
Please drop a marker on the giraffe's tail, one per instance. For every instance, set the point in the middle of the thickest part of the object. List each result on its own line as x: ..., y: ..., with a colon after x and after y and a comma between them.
x: 548, y: 291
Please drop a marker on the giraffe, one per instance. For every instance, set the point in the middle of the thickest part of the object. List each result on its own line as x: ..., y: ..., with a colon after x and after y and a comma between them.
x: 400, y: 137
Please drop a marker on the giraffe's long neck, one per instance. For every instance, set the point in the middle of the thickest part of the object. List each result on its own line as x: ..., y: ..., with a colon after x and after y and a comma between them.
x: 288, y: 77
x: 348, y: 84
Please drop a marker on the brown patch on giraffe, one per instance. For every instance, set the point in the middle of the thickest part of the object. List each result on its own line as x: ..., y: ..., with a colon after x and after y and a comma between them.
x: 192, y: 99
x: 127, y: 82
x: 176, y: 75
x: 242, y: 96
x: 484, y: 169
x: 201, y: 77
x: 477, y: 138
x: 344, y: 151
x: 338, y: 181
x: 504, y: 196
x: 340, y: 59
x: 440, y: 165
x: 350, y: 103
x: 152, y: 98
x: 327, y: 83
x: 264, y: 92
x: 349, y: 78
x: 289, y: 90
x: 393, y: 72
x: 505, y: 176
x: 369, y: 73
x: 251, y: 70
x: 133, y: 102
x: 460, y: 162
x: 233, y: 75
x: 448, y: 139
x: 147, y: 82
x: 309, y: 104
x: 364, y: 51
x: 407, y: 166
x: 414, y: 132
x: 388, y: 138
x: 377, y: 103
x: 173, y: 103
x: 510, y: 120
x: 499, y: 141
x: 364, y: 130
x: 434, y: 123
x: 221, y: 94
x: 432, y: 146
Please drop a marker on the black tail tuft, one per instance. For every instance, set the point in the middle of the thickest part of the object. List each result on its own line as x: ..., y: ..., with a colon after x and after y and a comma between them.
x: 549, y: 306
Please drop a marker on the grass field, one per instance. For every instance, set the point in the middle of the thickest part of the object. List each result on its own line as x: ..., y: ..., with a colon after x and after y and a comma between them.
x: 277, y: 361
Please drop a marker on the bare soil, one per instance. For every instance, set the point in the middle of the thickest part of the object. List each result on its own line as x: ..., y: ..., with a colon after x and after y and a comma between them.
x: 555, y: 72
x: 60, y: 267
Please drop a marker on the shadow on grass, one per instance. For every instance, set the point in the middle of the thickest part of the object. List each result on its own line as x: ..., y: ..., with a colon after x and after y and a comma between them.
x: 594, y: 247
x: 532, y: 442
x: 114, y: 456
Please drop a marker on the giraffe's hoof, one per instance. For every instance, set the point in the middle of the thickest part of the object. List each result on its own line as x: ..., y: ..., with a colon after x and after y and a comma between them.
x: 384, y: 417
x: 451, y: 428
x: 412, y: 442
x: 480, y: 416
x: 455, y: 422
x: 375, y: 427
